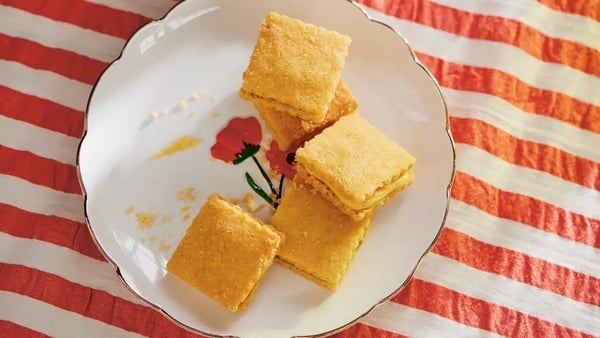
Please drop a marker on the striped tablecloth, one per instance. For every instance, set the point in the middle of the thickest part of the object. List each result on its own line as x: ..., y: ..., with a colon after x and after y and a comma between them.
x: 520, y: 254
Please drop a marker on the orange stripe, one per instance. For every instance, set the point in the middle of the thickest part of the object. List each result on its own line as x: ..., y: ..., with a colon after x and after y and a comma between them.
x: 518, y: 266
x: 88, y: 302
x: 39, y: 170
x: 9, y: 329
x: 529, y: 154
x: 52, y: 229
x: 365, y: 331
x: 41, y: 112
x: 518, y: 93
x: 84, y: 14
x: 493, y: 28
x: 115, y: 311
x: 474, y: 312
x: 588, y: 8
x: 526, y: 210
x: 66, y: 63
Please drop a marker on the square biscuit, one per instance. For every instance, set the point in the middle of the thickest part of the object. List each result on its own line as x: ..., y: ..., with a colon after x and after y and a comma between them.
x: 225, y: 253
x: 291, y: 132
x: 320, y: 240
x: 295, y: 67
x: 355, y: 165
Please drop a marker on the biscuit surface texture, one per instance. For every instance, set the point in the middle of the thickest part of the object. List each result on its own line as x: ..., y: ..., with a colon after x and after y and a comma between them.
x: 320, y: 241
x: 295, y: 67
x: 224, y: 253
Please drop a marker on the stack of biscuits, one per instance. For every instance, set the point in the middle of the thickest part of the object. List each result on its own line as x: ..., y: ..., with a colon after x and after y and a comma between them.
x: 293, y: 79
x: 346, y: 169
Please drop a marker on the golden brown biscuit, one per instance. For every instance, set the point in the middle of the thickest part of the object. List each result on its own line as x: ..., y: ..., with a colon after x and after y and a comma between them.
x: 225, y: 253
x: 295, y: 67
x: 290, y: 131
x: 354, y: 165
x: 320, y: 240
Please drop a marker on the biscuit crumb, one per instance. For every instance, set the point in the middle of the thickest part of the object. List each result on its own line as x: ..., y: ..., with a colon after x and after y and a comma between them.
x: 181, y: 105
x: 130, y: 210
x: 188, y: 194
x: 165, y: 218
x: 194, y: 96
x: 234, y: 201
x: 249, y: 202
x: 163, y: 246
x: 185, y: 208
x: 155, y: 116
x: 145, y: 220
x: 216, y: 115
x: 186, y: 216
x: 183, y: 143
x: 152, y: 239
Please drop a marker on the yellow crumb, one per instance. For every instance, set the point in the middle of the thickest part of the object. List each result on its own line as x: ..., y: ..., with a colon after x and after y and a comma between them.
x: 259, y: 208
x: 165, y: 218
x: 152, y: 239
x: 249, y: 202
x: 145, y: 220
x: 186, y: 216
x: 155, y: 116
x: 187, y: 194
x: 130, y: 210
x: 163, y: 246
x: 216, y: 115
x: 185, y: 208
x: 183, y: 143
x: 235, y: 201
x: 181, y: 105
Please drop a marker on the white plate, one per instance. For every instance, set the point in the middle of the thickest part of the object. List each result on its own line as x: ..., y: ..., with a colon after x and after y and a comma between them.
x: 203, y: 46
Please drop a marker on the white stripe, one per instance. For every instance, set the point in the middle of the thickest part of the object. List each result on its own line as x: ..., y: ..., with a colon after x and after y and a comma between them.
x: 45, y: 84
x: 526, y: 181
x: 42, y: 142
x: 411, y: 322
x: 523, y: 238
x: 509, y: 293
x: 535, y: 14
x: 499, y: 56
x: 40, y: 199
x: 53, y: 321
x: 65, y: 263
x: 149, y: 8
x: 523, y: 125
x: 57, y: 34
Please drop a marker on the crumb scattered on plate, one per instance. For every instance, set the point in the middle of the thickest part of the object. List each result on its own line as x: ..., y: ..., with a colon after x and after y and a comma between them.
x: 188, y: 194
x: 183, y: 143
x: 165, y: 218
x: 186, y: 216
x: 130, y: 210
x: 163, y: 245
x: 181, y: 105
x: 152, y: 239
x: 185, y: 208
x: 145, y: 220
x: 216, y: 115
x: 194, y: 96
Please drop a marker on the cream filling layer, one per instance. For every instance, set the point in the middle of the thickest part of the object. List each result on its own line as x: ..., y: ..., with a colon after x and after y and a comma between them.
x: 373, y: 199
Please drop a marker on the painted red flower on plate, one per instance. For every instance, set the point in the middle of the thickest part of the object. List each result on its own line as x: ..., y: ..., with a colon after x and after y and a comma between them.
x: 239, y: 140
